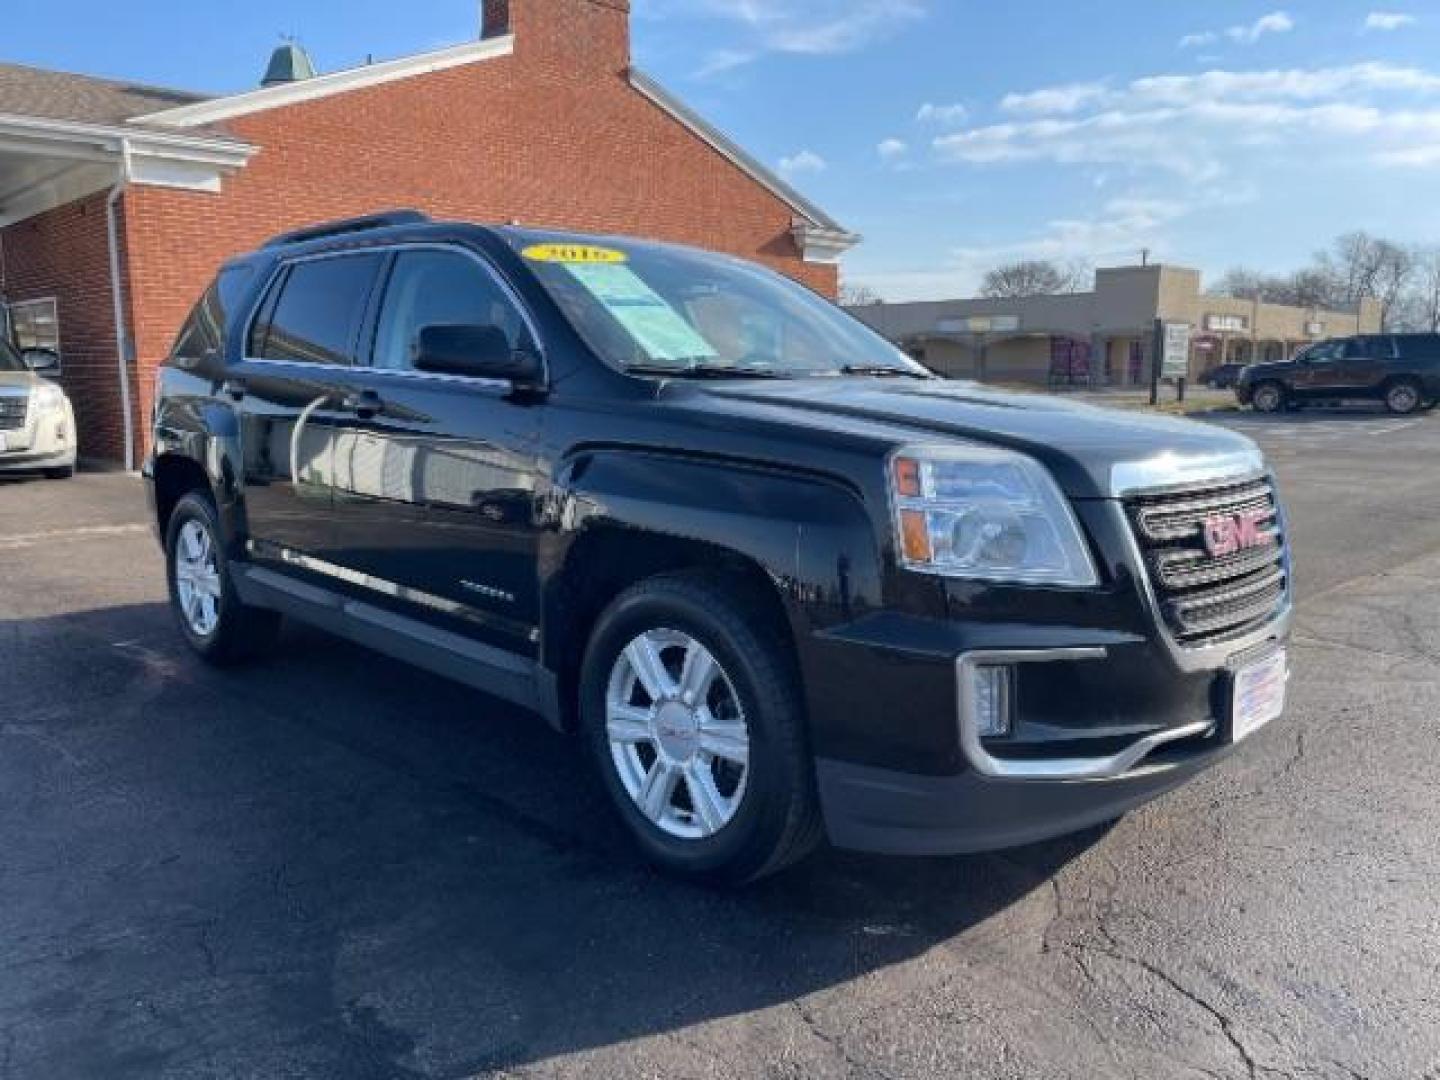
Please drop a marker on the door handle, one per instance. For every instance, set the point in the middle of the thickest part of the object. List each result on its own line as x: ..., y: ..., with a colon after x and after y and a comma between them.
x: 234, y: 389
x: 364, y: 404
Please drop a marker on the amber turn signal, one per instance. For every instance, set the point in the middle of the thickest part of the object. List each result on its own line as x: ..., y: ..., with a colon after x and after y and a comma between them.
x: 915, y: 535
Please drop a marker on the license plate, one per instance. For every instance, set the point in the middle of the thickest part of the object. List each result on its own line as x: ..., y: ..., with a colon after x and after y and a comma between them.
x: 1259, y: 695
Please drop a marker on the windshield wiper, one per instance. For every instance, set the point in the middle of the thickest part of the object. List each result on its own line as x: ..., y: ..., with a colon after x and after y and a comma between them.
x: 706, y: 371
x: 882, y: 370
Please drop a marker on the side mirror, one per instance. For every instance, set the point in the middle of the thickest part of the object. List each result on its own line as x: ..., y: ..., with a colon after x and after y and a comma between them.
x: 41, y: 361
x: 479, y: 352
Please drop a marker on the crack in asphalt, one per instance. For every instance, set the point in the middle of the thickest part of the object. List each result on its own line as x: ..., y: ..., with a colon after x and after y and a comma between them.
x: 838, y: 1045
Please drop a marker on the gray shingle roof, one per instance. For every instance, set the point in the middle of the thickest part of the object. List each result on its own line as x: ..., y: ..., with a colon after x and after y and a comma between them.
x: 60, y: 95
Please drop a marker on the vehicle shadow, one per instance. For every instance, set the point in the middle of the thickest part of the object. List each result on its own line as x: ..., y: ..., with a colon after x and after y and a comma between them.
x: 332, y: 864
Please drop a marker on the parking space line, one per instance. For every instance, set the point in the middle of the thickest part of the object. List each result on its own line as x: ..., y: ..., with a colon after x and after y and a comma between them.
x: 82, y: 532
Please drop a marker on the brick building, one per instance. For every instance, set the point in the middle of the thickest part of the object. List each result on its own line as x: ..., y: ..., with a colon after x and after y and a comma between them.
x: 117, y: 202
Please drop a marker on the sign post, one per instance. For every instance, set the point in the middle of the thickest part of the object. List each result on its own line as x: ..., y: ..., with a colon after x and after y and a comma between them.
x: 1175, y: 357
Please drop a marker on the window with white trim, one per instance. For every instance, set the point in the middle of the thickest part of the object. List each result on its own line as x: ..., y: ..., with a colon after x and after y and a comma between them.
x: 36, y: 324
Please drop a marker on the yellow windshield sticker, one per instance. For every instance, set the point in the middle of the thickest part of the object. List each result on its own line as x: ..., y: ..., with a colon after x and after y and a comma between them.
x: 573, y: 253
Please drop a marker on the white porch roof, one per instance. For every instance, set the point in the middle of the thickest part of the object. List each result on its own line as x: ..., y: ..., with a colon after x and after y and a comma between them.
x: 46, y: 162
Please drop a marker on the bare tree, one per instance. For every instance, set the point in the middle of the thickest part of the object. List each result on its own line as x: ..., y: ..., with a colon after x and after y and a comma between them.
x: 1394, y: 270
x: 1423, y: 307
x: 858, y: 295
x: 1027, y: 277
x: 1077, y: 275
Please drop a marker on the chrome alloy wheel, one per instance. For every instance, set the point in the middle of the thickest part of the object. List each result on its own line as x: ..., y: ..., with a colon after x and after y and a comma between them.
x: 1403, y: 398
x: 677, y: 734
x: 1267, y: 398
x: 197, y: 579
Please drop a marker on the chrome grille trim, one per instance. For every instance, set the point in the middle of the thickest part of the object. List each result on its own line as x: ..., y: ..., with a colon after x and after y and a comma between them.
x: 1204, y: 599
x: 13, y: 408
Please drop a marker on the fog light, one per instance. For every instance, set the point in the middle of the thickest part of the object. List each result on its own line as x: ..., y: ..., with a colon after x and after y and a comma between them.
x: 990, y: 700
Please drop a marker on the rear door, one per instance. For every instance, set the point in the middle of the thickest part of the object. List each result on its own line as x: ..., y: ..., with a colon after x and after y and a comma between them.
x: 290, y: 389
x: 1367, y: 362
x: 435, y: 476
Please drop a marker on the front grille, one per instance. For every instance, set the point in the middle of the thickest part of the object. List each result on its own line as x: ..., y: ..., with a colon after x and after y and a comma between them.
x: 12, y: 412
x: 1206, y: 597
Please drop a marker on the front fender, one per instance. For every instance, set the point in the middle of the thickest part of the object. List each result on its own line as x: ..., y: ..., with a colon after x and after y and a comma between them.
x: 810, y: 534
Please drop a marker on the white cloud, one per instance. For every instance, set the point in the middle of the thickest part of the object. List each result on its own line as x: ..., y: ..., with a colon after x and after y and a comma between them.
x: 806, y: 161
x: 942, y: 115
x: 892, y: 149
x: 1198, y: 126
x: 1277, y: 22
x: 796, y: 27
x: 1067, y: 98
x: 1388, y: 20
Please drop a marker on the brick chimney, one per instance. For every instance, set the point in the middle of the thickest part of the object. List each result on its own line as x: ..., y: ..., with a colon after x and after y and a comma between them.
x: 585, y: 33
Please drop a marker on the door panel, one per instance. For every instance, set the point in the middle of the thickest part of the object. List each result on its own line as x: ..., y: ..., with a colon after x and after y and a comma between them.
x: 434, y: 476
x: 290, y: 392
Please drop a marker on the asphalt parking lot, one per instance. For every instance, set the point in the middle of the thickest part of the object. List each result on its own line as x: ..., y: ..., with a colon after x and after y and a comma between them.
x: 335, y: 866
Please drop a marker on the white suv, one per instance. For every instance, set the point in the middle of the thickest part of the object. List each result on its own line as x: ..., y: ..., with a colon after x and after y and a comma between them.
x: 37, y: 422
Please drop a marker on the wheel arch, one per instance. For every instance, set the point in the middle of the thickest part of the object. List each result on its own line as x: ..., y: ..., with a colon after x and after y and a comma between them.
x: 175, y: 476
x: 800, y: 550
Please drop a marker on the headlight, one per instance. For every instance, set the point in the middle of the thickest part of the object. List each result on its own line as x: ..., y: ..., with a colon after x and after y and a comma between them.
x: 49, y: 398
x: 985, y: 514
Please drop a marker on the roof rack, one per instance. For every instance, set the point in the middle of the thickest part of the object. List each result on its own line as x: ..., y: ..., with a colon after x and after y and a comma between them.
x: 384, y: 220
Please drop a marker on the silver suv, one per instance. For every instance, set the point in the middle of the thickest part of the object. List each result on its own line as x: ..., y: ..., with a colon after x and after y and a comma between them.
x: 37, y: 422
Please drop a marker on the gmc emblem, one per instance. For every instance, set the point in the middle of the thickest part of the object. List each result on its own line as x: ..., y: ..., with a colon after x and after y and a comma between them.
x: 1225, y: 534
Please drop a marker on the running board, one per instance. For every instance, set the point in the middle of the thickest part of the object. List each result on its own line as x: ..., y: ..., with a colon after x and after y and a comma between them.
x: 512, y: 678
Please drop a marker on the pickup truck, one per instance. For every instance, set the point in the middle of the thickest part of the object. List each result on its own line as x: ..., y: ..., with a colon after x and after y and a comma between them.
x: 783, y: 584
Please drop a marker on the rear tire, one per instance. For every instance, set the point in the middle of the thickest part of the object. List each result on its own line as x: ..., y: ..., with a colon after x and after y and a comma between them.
x: 64, y: 473
x: 1403, y: 397
x: 212, y: 618
x: 1268, y: 397
x: 693, y: 713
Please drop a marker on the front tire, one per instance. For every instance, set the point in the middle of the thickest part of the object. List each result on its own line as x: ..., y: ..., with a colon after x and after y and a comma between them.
x: 693, y: 713
x: 1403, y: 397
x: 217, y: 625
x: 1268, y: 397
x: 63, y: 473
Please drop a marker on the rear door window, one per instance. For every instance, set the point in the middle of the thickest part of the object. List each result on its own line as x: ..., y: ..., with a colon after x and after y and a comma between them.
x: 317, y: 316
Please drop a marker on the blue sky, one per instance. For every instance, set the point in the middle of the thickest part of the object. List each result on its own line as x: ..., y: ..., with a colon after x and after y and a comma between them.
x: 954, y: 133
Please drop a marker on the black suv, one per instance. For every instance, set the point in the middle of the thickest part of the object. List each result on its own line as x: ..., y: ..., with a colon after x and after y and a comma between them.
x: 1402, y: 370
x: 781, y: 580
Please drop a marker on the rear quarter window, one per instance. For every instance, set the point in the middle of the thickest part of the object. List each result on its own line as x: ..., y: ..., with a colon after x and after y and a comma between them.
x: 202, y: 336
x: 1418, y: 346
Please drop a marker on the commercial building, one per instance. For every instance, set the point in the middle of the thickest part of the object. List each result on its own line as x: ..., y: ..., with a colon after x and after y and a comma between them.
x: 118, y: 201
x: 1104, y: 337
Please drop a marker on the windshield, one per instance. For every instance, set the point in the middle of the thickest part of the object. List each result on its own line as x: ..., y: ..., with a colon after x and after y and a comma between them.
x: 665, y: 310
x: 10, y: 357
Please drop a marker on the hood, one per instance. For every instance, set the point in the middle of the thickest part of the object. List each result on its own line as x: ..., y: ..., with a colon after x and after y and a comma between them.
x: 1092, y: 452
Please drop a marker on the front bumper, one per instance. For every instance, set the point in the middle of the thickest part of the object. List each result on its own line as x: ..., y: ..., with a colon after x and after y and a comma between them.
x: 19, y: 461
x: 880, y: 810
x: 1100, y: 728
x: 45, y: 441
